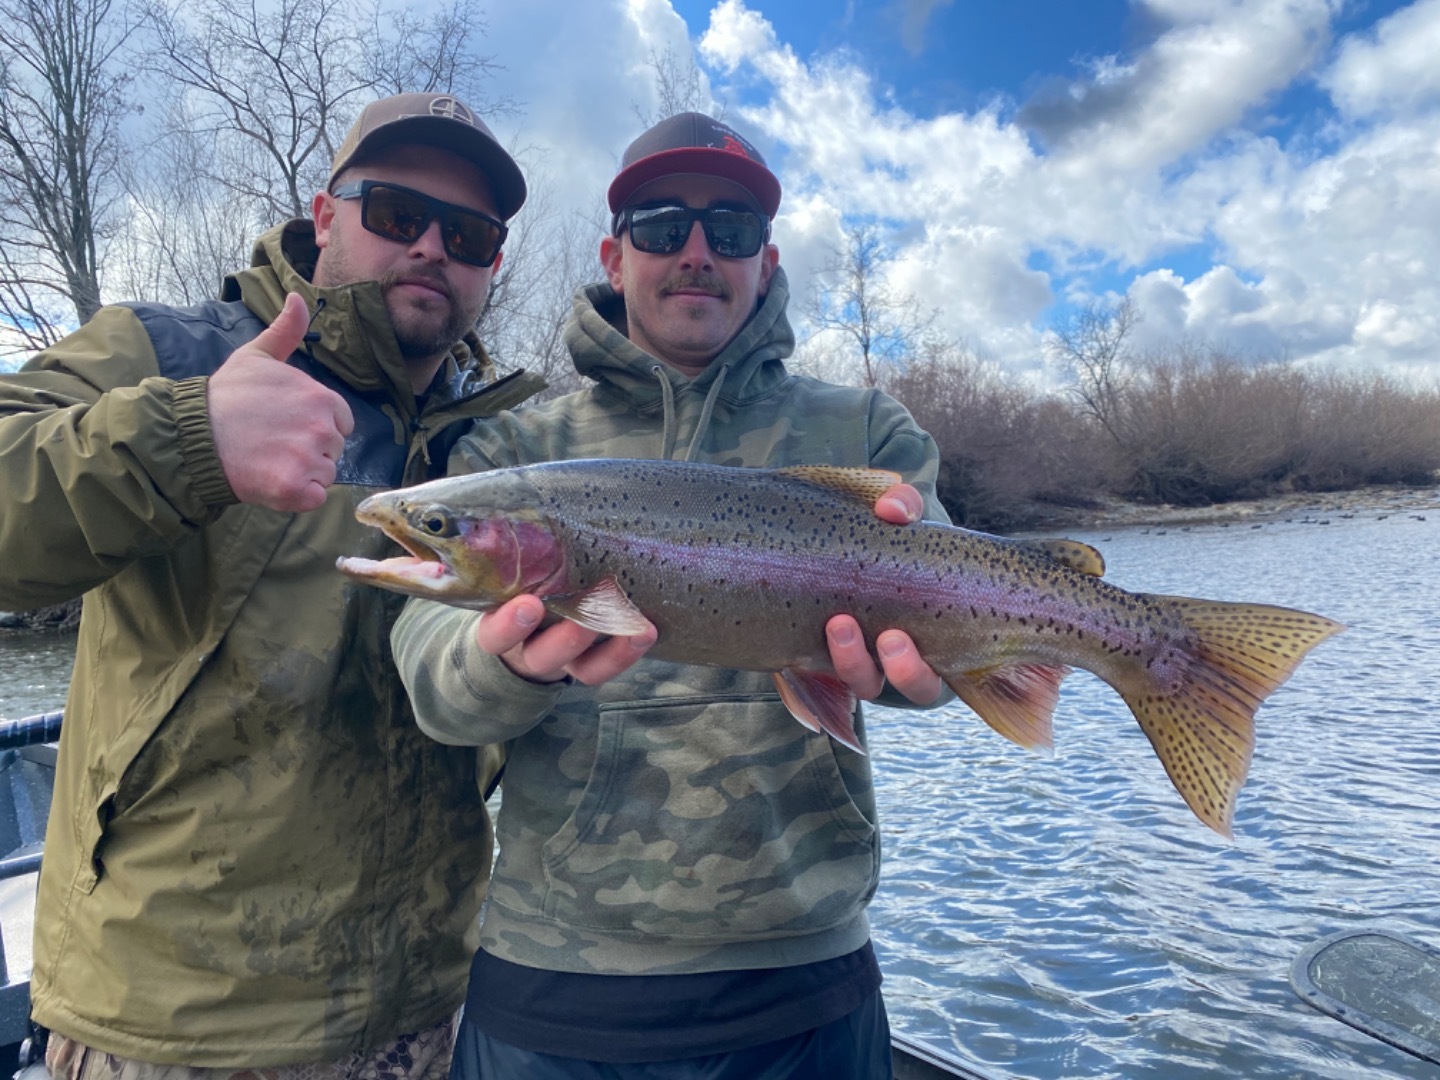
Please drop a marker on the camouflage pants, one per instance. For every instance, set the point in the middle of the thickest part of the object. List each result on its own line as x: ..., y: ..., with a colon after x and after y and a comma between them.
x: 424, y: 1055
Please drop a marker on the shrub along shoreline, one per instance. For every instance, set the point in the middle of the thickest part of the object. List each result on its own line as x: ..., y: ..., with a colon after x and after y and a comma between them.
x: 1184, y: 430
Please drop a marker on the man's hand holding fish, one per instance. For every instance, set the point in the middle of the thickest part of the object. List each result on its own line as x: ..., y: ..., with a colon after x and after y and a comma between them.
x: 546, y: 651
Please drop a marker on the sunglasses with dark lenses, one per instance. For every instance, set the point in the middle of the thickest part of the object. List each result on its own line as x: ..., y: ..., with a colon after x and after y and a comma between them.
x: 663, y: 230
x: 400, y: 214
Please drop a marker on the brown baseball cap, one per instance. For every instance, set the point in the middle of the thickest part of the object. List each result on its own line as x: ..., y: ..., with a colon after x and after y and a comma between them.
x: 441, y: 120
x: 692, y: 142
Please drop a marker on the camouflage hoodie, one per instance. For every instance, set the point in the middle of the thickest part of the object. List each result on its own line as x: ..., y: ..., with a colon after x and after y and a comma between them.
x: 253, y: 857
x: 675, y: 819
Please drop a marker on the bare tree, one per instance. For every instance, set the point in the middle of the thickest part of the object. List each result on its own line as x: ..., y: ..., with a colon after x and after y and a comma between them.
x: 62, y: 97
x: 274, y: 86
x: 853, y: 297
x: 678, y: 88
x: 183, y: 234
x: 548, y: 256
x: 1092, y: 344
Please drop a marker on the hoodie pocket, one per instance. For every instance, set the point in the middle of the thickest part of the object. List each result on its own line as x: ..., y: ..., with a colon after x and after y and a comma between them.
x: 710, y: 818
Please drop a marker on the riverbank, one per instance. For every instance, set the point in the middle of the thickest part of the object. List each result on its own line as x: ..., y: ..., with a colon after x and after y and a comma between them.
x: 60, y: 619
x: 1318, y: 508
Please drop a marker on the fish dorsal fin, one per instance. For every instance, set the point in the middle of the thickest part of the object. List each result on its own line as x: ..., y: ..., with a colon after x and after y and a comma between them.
x: 603, y: 607
x: 1072, y: 553
x: 821, y: 702
x: 863, y: 485
x: 1017, y: 700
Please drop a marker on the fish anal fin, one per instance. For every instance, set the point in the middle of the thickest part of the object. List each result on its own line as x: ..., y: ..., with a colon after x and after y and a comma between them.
x: 1017, y: 700
x: 822, y: 702
x: 862, y: 485
x: 1077, y: 556
x: 603, y: 607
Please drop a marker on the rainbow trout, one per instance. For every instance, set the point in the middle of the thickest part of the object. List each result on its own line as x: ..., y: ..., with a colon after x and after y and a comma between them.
x: 741, y: 568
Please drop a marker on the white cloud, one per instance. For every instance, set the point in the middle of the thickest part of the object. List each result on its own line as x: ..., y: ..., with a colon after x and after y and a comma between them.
x: 1199, y: 78
x: 1163, y: 174
x: 1393, y: 68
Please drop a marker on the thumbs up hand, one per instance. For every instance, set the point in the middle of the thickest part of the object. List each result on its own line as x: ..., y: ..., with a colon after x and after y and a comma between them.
x: 278, y: 432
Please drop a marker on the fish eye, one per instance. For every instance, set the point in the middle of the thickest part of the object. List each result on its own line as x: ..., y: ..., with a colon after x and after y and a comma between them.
x: 436, y: 521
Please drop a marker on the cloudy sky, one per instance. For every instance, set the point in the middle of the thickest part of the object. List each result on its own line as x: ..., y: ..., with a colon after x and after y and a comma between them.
x: 1259, y: 175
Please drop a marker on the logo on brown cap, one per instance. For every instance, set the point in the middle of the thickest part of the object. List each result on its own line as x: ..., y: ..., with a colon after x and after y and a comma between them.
x: 451, y: 109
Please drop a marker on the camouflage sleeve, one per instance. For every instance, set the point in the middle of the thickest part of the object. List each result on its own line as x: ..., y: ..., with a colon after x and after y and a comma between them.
x: 462, y: 695
x: 901, y: 446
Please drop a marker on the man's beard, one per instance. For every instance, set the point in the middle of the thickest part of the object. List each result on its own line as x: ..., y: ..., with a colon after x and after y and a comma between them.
x: 424, y: 342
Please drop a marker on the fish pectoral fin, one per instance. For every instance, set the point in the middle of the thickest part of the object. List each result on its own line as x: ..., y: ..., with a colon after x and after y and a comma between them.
x: 862, y: 485
x: 603, y: 607
x: 1017, y: 700
x: 820, y: 701
x: 1078, y: 556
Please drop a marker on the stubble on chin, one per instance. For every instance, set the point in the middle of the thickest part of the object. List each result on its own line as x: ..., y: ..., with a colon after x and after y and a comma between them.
x: 428, y: 332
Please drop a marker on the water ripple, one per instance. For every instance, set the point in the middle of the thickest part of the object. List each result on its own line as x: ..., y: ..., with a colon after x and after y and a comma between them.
x: 1068, y: 917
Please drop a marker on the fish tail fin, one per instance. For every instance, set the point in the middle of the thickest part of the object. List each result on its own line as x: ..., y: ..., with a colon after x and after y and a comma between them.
x: 1203, y: 729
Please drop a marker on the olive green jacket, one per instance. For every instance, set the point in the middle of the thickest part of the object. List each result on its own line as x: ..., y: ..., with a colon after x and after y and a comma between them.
x: 253, y: 856
x: 675, y: 818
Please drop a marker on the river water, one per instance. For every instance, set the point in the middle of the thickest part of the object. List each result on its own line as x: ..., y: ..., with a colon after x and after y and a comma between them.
x: 1067, y: 917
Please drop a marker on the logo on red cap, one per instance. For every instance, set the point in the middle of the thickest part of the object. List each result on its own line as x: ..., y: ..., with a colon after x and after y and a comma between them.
x: 735, y: 146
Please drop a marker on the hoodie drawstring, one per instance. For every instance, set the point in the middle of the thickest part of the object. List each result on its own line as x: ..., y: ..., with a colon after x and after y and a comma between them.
x: 704, y: 424
x: 667, y: 395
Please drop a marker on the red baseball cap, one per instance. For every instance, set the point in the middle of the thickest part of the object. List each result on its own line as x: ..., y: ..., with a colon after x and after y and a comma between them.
x: 694, y: 143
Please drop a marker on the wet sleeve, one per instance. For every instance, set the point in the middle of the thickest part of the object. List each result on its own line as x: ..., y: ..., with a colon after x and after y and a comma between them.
x: 461, y: 694
x: 99, y: 459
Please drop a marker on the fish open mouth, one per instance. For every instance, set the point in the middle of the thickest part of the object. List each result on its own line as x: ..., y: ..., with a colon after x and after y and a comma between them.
x: 423, y: 567
x: 418, y: 549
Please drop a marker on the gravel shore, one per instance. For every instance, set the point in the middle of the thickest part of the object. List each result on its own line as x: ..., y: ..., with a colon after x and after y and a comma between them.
x: 1374, y: 502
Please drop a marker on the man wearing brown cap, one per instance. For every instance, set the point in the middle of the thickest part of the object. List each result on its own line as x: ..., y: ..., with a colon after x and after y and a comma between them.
x: 255, y: 862
x: 683, y: 869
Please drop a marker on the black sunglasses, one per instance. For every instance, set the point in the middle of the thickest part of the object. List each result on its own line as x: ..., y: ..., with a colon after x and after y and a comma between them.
x: 400, y: 214
x: 663, y: 230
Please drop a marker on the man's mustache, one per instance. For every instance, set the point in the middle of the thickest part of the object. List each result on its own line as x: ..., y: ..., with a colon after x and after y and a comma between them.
x: 434, y: 279
x: 706, y: 283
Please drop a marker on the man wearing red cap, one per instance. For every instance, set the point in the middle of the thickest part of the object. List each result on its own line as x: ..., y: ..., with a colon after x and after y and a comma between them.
x: 255, y: 863
x: 683, y: 868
